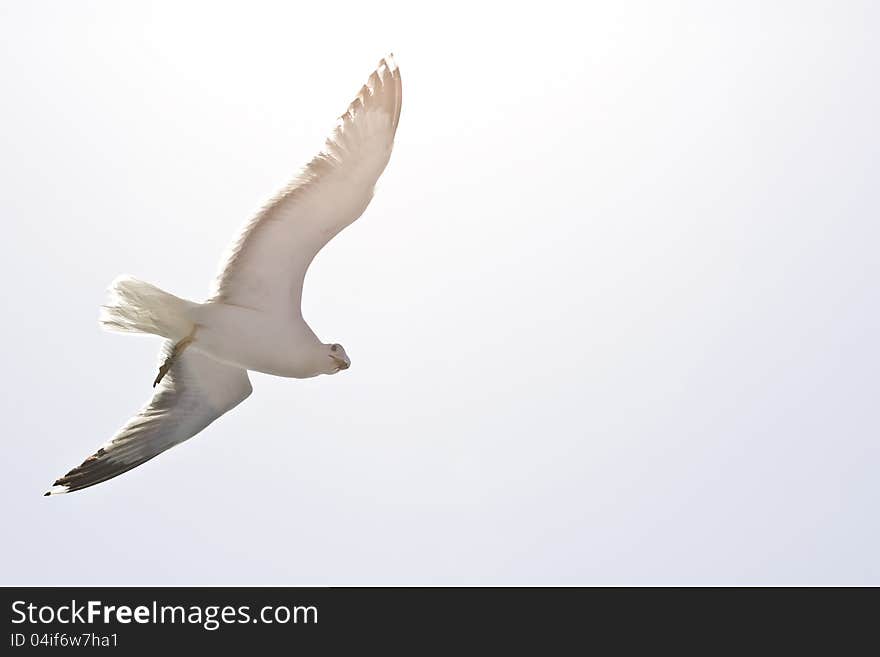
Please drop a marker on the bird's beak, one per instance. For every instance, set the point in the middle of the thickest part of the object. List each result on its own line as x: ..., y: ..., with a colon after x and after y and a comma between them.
x: 341, y: 363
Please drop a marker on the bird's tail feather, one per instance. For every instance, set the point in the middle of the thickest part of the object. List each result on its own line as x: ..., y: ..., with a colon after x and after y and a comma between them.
x: 138, y: 307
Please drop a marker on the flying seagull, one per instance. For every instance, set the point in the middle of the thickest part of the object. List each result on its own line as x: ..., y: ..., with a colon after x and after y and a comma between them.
x: 253, y: 319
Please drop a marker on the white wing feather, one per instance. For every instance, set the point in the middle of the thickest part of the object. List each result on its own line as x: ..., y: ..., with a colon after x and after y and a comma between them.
x: 196, y: 391
x: 267, y: 263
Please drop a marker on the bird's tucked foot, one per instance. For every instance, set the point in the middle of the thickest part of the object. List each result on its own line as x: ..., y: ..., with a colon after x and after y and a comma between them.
x: 163, y: 370
x: 178, y: 349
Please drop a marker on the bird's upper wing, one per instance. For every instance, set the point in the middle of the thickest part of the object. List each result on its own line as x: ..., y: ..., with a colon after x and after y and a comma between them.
x: 267, y: 263
x: 195, y: 392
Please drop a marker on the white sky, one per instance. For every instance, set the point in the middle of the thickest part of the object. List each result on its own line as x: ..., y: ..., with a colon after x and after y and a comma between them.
x: 612, y: 314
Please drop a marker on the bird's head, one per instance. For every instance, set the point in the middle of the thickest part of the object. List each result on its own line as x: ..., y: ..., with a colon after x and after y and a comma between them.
x: 337, y: 359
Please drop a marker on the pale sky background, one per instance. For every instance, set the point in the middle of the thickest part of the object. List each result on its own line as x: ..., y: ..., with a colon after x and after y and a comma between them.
x: 613, y: 313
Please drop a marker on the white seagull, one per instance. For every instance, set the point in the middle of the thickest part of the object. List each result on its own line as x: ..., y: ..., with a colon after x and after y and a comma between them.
x: 253, y: 320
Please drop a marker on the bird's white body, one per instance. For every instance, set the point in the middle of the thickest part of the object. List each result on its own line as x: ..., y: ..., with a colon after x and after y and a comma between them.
x: 274, y: 343
x: 252, y: 320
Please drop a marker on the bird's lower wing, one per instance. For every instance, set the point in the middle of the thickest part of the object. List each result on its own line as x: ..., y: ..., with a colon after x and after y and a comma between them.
x: 196, y: 391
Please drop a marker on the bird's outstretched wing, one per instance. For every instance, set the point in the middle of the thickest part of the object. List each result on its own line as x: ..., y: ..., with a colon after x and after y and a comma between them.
x: 267, y: 263
x: 196, y: 391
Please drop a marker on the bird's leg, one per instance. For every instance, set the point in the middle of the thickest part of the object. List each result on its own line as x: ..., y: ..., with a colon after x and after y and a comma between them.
x: 178, y: 349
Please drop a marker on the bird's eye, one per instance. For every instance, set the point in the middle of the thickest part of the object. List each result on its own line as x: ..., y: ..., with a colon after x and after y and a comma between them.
x: 335, y: 347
